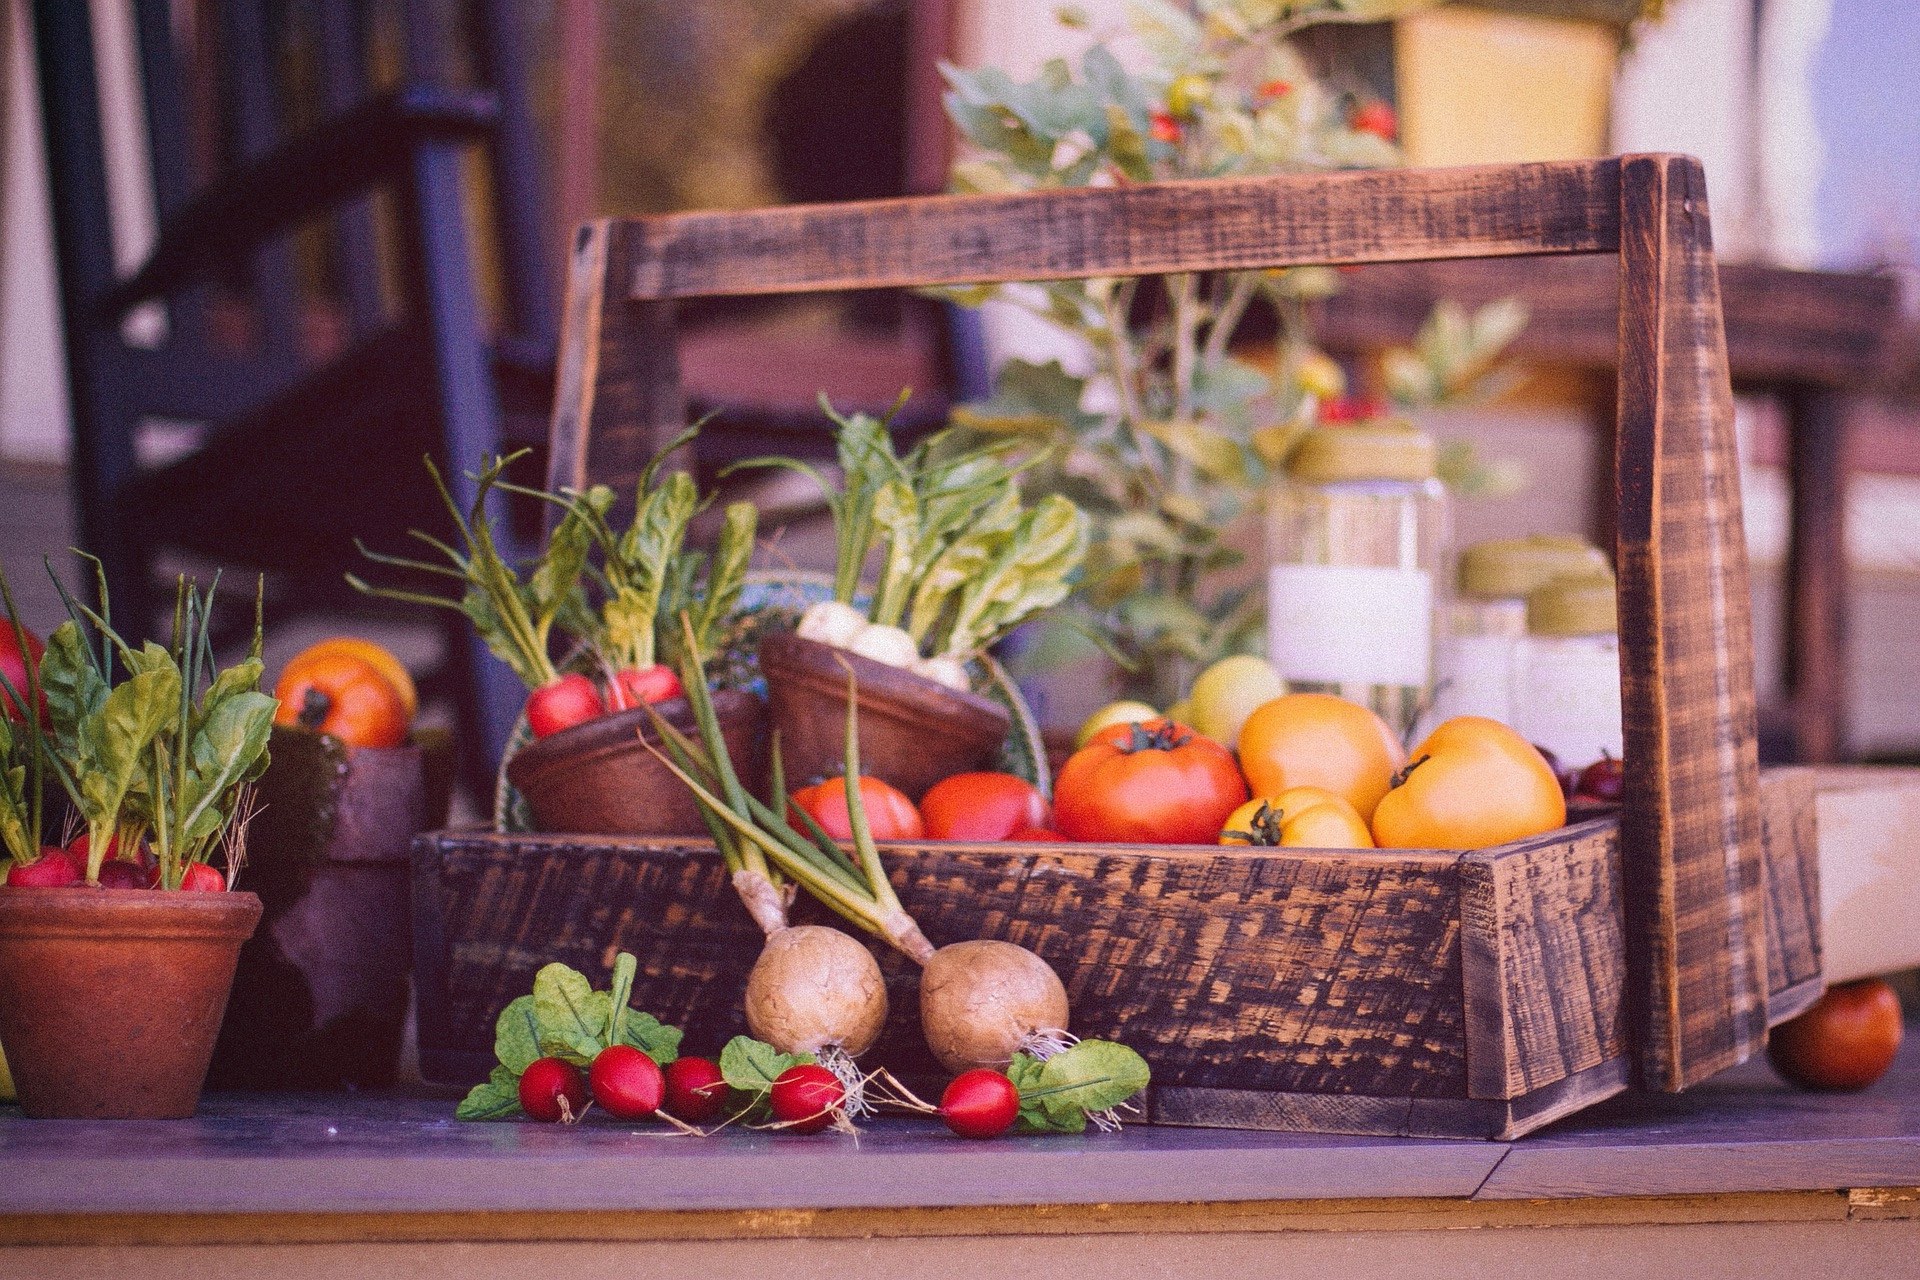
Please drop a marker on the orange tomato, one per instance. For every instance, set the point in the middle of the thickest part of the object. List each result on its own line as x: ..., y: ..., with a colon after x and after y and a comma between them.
x: 378, y: 656
x: 1297, y: 818
x: 1474, y: 782
x: 1318, y: 740
x: 343, y: 695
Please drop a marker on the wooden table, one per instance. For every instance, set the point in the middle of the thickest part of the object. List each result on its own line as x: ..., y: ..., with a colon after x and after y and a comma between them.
x: 1741, y: 1176
x: 1811, y: 339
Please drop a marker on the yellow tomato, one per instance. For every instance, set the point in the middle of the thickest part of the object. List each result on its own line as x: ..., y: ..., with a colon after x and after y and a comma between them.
x: 1320, y: 375
x: 1297, y: 818
x: 1318, y: 740
x: 1112, y: 713
x: 1228, y: 692
x: 1473, y: 783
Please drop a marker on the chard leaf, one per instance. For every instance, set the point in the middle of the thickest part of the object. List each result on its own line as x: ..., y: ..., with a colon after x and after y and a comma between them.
x: 225, y: 751
x: 497, y: 1099
x: 114, y: 739
x: 751, y: 1066
x: 74, y: 687
x: 569, y: 1019
x: 516, y: 1035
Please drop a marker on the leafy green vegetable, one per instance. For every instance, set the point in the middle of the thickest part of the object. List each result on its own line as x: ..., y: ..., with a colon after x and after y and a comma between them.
x: 1093, y: 1075
x: 497, y: 1099
x: 751, y: 1066
x: 516, y: 1035
x: 571, y: 1021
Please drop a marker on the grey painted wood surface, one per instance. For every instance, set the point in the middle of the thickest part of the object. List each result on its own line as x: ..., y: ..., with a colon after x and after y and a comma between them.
x: 1744, y: 1131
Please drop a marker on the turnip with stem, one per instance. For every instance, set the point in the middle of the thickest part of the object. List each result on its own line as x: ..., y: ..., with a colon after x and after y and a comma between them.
x: 987, y: 1000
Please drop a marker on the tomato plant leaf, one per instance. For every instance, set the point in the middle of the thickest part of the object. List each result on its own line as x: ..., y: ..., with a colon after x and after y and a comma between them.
x: 497, y: 1099
x: 516, y: 1035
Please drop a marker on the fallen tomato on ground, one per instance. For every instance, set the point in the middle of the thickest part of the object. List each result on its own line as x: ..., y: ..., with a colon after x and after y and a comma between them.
x: 1846, y: 1041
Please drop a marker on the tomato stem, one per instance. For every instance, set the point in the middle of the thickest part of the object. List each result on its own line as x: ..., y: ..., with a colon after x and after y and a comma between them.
x: 1400, y: 778
x: 314, y: 708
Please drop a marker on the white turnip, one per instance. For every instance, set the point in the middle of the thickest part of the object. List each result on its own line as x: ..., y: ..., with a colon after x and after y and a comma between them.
x: 831, y: 622
x: 883, y: 643
x: 945, y: 670
x: 983, y: 1001
x: 815, y: 989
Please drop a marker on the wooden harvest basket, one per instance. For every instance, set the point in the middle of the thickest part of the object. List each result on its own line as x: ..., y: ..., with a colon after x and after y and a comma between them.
x: 1476, y: 994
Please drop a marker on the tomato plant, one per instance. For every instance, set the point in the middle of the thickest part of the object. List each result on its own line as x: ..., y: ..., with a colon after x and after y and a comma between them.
x: 1473, y: 783
x: 1153, y: 783
x: 890, y: 815
x: 982, y: 806
x: 343, y: 695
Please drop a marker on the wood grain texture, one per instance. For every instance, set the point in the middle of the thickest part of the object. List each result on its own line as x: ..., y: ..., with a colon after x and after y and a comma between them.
x: 1690, y: 830
x: 1296, y: 972
x: 1783, y: 327
x: 1386, y: 215
x: 617, y: 395
x: 1788, y: 829
x: 1816, y: 657
x: 1542, y: 955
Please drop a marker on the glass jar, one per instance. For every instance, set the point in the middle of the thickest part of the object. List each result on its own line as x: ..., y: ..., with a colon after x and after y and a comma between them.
x: 1567, y: 692
x: 1484, y: 625
x: 1356, y: 537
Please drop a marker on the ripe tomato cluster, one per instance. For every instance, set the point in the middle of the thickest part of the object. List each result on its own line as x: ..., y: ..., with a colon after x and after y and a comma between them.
x: 966, y: 806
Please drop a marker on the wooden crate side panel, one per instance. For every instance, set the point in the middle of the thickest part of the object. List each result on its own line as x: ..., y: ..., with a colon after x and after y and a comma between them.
x: 1320, y: 973
x: 1690, y: 829
x: 1788, y: 822
x: 1543, y: 960
x: 1374, y: 216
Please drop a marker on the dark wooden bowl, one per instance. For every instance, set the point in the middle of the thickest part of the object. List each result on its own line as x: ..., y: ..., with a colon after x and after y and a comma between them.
x: 913, y: 731
x: 596, y: 778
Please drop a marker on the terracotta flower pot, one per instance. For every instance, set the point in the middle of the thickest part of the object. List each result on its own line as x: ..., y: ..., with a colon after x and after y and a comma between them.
x: 110, y: 999
x: 596, y: 778
x: 320, y: 999
x: 913, y: 731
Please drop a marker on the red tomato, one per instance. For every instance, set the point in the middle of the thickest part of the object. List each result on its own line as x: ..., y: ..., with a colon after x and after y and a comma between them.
x: 643, y: 686
x: 890, y: 815
x: 982, y: 806
x: 1377, y: 118
x: 344, y: 695
x: 1036, y: 835
x: 1151, y: 783
x: 15, y: 670
x: 1846, y: 1041
x: 566, y: 702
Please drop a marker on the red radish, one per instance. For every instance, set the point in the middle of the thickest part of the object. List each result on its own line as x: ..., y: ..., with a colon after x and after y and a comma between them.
x: 807, y: 1097
x: 980, y: 1104
x: 695, y: 1089
x: 15, y: 670
x: 626, y: 1082
x: 77, y: 847
x: 201, y: 878
x: 53, y: 869
x: 121, y: 874
x: 981, y: 806
x: 552, y: 1089
x: 644, y: 686
x: 566, y: 702
x: 1604, y: 780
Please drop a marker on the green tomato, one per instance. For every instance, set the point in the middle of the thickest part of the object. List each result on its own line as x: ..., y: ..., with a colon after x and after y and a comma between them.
x: 1228, y: 692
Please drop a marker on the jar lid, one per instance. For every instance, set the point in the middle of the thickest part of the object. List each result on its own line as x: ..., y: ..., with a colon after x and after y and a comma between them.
x: 1511, y: 567
x: 1575, y: 604
x: 1363, y: 451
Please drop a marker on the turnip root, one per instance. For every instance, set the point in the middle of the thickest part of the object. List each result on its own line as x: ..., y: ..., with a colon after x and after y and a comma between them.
x: 831, y: 622
x: 883, y: 643
x: 946, y: 670
x: 981, y: 1002
x: 815, y: 989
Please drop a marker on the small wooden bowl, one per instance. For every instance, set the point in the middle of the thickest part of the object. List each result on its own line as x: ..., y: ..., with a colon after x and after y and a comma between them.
x: 913, y: 731
x: 597, y: 779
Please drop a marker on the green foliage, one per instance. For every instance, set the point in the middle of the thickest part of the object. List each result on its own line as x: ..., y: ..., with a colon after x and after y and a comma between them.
x: 1169, y: 436
x: 1087, y: 1080
x: 564, y: 1018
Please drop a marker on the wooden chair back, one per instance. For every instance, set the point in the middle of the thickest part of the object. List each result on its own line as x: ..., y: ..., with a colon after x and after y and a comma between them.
x: 1691, y: 848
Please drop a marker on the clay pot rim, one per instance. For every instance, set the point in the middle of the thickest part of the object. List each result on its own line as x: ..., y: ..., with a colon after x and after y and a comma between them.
x: 614, y: 734
x: 154, y: 913
x: 889, y: 691
x: 410, y: 746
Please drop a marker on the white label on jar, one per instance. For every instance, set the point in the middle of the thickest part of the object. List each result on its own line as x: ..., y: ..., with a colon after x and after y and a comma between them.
x: 1473, y: 676
x: 1350, y: 624
x: 1568, y: 699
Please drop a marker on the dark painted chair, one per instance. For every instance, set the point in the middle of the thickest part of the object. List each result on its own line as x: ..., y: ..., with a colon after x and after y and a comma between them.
x: 311, y: 306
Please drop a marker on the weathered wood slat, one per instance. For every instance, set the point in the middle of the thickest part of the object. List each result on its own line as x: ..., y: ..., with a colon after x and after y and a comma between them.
x: 1690, y: 830
x: 1386, y: 215
x: 1541, y: 952
x: 1788, y: 833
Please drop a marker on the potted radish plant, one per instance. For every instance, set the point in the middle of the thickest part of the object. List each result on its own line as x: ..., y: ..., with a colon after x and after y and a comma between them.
x: 156, y: 749
x: 604, y: 595
x: 962, y: 560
